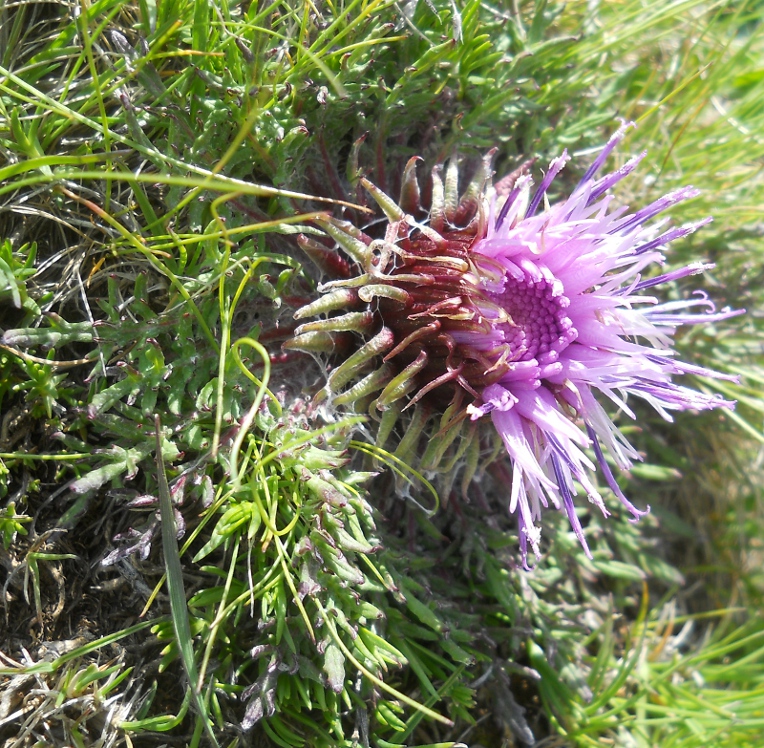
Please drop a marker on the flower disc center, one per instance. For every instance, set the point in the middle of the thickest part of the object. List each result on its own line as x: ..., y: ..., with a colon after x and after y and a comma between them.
x: 534, y: 300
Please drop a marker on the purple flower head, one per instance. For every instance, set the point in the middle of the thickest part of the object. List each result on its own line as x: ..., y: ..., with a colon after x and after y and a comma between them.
x: 563, y: 290
x: 503, y: 306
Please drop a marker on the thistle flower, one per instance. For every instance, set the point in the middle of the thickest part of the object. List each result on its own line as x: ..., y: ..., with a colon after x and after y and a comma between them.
x: 499, y: 305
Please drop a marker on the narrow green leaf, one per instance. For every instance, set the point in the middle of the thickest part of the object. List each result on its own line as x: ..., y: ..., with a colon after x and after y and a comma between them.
x: 178, y: 606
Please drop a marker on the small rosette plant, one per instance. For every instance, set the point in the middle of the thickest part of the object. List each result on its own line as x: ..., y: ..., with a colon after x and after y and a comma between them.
x: 497, y: 305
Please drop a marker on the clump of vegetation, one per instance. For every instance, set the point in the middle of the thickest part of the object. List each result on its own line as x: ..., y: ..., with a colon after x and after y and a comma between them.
x: 189, y: 552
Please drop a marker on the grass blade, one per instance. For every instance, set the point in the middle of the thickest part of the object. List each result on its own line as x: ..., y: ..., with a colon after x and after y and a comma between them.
x: 178, y: 607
